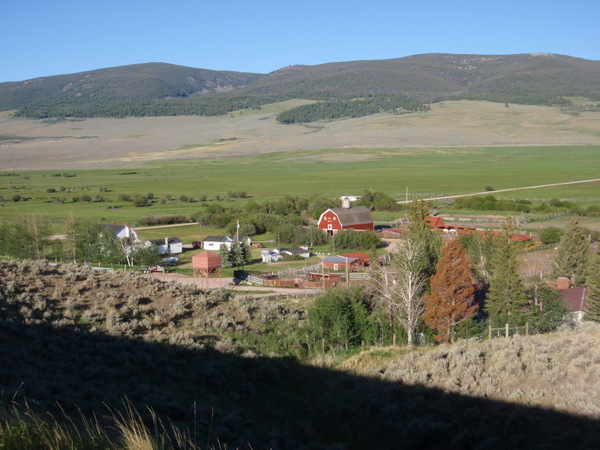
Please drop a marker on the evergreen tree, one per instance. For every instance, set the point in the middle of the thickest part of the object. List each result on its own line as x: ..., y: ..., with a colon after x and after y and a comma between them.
x: 427, y: 239
x: 506, y: 301
x: 225, y: 257
x: 548, y: 311
x: 452, y: 296
x: 573, y: 252
x: 593, y: 285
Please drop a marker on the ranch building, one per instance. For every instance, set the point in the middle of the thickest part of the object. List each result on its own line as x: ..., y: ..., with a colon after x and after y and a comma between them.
x: 358, y: 218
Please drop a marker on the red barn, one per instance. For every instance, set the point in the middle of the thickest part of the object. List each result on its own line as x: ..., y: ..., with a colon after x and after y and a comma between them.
x: 336, y: 219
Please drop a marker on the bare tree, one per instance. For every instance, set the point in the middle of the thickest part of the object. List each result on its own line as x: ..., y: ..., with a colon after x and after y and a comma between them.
x: 399, y: 286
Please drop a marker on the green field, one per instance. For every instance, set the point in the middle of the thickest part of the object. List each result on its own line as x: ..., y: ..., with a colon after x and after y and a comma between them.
x: 328, y: 172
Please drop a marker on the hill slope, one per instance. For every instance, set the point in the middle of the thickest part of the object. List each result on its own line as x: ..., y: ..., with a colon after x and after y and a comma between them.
x: 98, y: 337
x: 163, y: 89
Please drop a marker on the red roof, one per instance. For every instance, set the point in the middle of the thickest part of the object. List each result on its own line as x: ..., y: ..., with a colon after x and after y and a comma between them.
x: 435, y: 222
x: 574, y: 298
x: 357, y: 255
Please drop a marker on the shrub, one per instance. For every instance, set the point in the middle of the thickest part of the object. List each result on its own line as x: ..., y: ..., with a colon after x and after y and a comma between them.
x: 550, y: 235
x: 140, y: 201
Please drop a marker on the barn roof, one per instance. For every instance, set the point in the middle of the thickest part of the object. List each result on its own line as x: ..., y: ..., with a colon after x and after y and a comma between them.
x: 357, y: 255
x: 115, y: 228
x: 574, y: 298
x: 338, y: 259
x: 435, y: 222
x: 356, y: 215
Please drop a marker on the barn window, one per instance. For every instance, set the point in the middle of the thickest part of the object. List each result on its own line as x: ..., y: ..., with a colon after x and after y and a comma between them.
x: 335, y: 267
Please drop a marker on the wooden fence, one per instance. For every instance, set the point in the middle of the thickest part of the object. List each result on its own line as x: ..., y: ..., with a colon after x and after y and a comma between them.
x: 507, y: 331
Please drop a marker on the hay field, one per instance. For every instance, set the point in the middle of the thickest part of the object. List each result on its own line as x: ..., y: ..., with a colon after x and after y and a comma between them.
x: 133, y: 142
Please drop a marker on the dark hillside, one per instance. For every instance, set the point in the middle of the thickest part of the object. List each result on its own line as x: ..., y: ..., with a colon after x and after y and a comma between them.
x: 434, y: 77
x: 131, y: 83
x: 164, y: 89
x: 76, y: 340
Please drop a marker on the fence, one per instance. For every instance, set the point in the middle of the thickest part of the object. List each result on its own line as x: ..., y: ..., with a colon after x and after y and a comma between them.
x: 507, y: 331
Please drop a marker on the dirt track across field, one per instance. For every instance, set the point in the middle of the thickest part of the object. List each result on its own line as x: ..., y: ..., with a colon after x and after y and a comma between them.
x: 504, y: 190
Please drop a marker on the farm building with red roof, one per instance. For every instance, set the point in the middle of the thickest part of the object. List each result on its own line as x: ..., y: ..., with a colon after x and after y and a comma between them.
x: 358, y: 218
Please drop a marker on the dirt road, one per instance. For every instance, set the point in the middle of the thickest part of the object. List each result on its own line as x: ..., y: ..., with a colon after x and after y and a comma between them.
x: 505, y: 190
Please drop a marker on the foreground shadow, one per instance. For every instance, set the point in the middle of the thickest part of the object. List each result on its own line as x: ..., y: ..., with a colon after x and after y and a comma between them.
x: 264, y: 402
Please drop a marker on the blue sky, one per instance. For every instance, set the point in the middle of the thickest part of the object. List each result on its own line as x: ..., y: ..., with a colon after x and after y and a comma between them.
x: 44, y: 37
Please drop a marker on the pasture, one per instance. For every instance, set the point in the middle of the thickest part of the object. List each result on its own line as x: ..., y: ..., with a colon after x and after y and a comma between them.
x: 83, y: 168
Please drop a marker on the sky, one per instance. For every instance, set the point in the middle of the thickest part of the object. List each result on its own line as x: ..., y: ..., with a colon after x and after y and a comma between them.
x: 46, y: 37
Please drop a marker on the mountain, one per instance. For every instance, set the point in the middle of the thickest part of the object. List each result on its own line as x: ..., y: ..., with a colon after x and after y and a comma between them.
x: 98, y: 89
x: 165, y: 89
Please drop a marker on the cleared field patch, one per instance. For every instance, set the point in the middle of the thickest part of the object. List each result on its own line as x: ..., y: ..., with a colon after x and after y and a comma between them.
x: 134, y: 142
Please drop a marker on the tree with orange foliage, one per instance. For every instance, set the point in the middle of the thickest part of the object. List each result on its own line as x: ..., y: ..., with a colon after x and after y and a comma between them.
x: 452, y: 296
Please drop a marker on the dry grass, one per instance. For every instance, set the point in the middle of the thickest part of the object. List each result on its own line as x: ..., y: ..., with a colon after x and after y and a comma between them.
x: 559, y: 371
x: 135, y: 141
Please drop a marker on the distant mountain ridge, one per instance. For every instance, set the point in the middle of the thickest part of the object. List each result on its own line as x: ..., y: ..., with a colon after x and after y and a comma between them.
x: 166, y: 89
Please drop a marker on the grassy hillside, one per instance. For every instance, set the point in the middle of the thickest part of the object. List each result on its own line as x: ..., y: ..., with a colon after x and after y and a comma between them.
x: 163, y: 90
x: 188, y: 355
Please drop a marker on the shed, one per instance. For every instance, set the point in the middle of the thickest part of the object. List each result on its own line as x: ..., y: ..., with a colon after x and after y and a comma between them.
x: 168, y: 245
x: 337, y: 262
x: 362, y: 259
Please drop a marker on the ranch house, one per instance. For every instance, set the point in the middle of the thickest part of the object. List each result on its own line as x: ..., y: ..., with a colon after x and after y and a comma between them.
x: 214, y: 242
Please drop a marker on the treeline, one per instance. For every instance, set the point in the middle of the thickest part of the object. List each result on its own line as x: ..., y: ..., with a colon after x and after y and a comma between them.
x: 119, y: 108
x: 491, y: 203
x: 343, y: 109
x: 85, y: 242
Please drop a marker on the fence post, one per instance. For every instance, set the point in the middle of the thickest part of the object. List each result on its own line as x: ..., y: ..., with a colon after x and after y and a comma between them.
x: 527, y: 329
x: 490, y: 332
x: 394, y: 340
x: 323, y: 345
x: 507, y: 330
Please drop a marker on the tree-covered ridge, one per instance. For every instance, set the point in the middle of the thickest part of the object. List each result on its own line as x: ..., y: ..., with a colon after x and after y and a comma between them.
x: 342, y: 109
x: 165, y: 89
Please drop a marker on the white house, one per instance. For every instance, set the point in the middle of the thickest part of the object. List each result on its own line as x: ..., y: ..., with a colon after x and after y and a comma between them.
x: 123, y: 232
x: 168, y: 245
x: 269, y: 256
x: 214, y: 242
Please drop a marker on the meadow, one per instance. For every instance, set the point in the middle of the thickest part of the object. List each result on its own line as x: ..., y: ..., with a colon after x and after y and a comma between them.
x: 184, y: 188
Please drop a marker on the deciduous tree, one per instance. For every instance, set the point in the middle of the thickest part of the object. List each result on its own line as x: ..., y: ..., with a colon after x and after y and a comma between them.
x: 399, y: 286
x: 451, y: 297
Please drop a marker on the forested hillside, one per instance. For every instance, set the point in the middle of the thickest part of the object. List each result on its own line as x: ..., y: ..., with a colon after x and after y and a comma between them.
x: 164, y: 89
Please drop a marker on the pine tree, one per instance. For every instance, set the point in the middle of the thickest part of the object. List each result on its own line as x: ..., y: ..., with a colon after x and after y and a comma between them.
x: 593, y: 285
x: 429, y: 240
x: 506, y: 300
x: 573, y: 252
x: 451, y: 300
